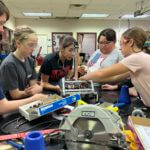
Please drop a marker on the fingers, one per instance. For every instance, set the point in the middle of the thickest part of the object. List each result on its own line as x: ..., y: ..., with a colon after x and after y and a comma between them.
x: 57, y: 88
x: 105, y: 86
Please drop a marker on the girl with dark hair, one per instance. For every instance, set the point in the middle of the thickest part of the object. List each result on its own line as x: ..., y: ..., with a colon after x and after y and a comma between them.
x: 135, y: 64
x: 58, y: 64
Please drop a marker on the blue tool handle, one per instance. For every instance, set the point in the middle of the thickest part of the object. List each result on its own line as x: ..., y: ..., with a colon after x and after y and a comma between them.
x: 15, y: 145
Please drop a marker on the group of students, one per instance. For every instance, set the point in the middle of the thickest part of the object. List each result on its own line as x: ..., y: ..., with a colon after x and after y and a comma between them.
x: 18, y: 76
x: 135, y: 65
x: 20, y: 57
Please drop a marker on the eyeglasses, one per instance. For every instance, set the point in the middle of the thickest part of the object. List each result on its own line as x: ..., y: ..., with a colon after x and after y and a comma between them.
x: 32, y: 46
x: 104, y: 43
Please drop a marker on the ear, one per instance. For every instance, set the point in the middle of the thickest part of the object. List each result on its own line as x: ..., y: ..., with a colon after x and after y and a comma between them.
x: 131, y: 42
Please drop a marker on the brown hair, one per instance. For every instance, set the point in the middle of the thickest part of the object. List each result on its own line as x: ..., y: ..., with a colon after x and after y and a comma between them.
x: 4, y: 10
x: 66, y: 41
x: 21, y: 33
x: 138, y: 35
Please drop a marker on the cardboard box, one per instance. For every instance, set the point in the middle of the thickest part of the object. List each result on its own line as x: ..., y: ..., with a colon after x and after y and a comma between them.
x: 141, y: 129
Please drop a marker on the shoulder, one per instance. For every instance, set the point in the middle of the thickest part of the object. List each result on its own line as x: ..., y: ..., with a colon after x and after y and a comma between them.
x: 117, y: 53
x: 50, y: 60
x: 134, y: 59
x: 51, y: 56
x: 97, y: 52
x: 8, y: 61
x: 134, y: 63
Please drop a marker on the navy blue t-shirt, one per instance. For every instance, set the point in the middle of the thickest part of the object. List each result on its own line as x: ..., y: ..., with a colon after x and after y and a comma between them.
x: 1, y: 93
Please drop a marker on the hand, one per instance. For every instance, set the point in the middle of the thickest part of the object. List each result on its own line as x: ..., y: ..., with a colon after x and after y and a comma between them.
x: 133, y: 92
x: 39, y: 97
x: 109, y: 87
x: 57, y: 88
x: 34, y: 89
x: 82, y: 70
x: 82, y: 78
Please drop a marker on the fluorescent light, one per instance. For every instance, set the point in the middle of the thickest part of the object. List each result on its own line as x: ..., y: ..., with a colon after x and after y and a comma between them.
x: 94, y: 15
x: 131, y: 16
x: 37, y: 14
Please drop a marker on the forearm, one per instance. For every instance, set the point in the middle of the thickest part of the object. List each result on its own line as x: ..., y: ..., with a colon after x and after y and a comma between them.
x: 8, y: 106
x: 47, y: 85
x: 115, y: 79
x: 97, y: 76
x: 19, y: 94
x: 33, y: 82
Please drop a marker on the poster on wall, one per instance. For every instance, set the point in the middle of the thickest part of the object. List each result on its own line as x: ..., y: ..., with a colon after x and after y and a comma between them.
x: 55, y: 39
x: 87, y: 42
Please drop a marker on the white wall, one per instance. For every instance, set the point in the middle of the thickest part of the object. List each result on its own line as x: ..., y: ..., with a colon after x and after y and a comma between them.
x: 11, y: 23
x: 47, y: 26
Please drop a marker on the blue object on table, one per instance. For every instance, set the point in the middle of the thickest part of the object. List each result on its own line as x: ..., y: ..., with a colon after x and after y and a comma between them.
x: 34, y: 141
x: 15, y: 145
x: 124, y: 97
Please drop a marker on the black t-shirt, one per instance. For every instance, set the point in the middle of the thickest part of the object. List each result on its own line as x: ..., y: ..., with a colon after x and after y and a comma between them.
x: 54, y: 67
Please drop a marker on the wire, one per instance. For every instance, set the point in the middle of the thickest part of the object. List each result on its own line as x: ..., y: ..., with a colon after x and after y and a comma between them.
x: 19, y: 124
x: 4, y: 126
x: 45, y: 122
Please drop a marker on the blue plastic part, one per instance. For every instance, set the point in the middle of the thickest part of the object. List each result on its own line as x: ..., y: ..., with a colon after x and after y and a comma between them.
x: 58, y: 104
x: 34, y: 141
x: 124, y: 96
x: 15, y: 145
x: 120, y: 105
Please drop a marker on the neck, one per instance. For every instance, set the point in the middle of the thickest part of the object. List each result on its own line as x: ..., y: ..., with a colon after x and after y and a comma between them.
x: 136, y: 50
x: 61, y: 57
x: 19, y: 55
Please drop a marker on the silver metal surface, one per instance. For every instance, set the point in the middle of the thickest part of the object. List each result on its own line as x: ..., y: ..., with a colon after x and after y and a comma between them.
x: 91, y: 127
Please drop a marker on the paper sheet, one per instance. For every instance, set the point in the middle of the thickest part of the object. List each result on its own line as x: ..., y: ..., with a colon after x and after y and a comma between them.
x: 144, y: 133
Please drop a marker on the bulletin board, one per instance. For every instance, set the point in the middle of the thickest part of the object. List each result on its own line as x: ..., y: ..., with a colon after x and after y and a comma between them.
x: 87, y: 42
x: 55, y: 39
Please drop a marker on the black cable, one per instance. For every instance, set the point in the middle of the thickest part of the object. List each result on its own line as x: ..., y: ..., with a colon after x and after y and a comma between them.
x: 38, y: 125
x: 20, y: 124
x: 4, y: 126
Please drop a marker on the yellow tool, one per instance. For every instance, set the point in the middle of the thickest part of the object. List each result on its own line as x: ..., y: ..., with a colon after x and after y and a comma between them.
x: 112, y: 108
x: 81, y: 102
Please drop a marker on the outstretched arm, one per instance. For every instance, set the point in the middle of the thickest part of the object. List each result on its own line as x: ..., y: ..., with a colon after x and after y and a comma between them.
x: 114, y: 73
